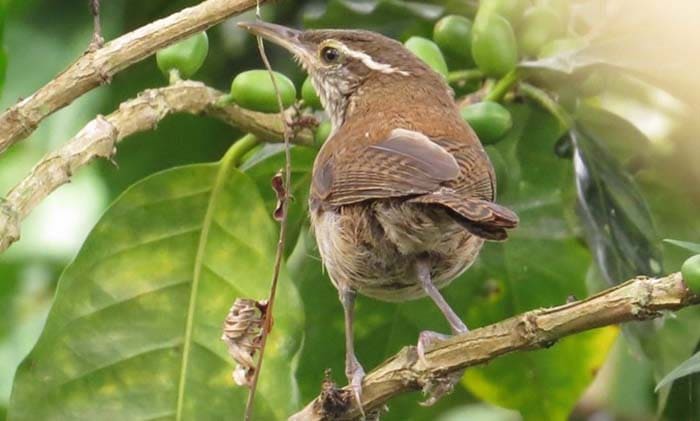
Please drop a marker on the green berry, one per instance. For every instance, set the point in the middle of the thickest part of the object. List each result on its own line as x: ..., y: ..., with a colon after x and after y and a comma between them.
x: 510, y: 9
x: 490, y: 120
x: 494, y: 47
x: 322, y: 132
x: 186, y: 57
x: 429, y: 52
x: 254, y: 90
x: 540, y: 25
x: 309, y: 95
x: 691, y: 273
x: 453, y: 34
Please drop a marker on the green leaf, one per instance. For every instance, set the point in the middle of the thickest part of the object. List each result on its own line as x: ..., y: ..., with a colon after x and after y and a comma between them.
x: 542, y: 264
x: 684, y: 399
x: 566, y: 63
x: 624, y: 139
x: 390, y: 17
x: 616, y: 216
x: 689, y: 366
x: 134, y: 330
x: 694, y: 247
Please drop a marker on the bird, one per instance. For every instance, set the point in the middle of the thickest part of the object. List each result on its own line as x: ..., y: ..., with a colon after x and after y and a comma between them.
x: 402, y: 196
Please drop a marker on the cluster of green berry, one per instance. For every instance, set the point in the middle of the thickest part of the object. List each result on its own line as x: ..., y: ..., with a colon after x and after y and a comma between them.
x: 501, y: 34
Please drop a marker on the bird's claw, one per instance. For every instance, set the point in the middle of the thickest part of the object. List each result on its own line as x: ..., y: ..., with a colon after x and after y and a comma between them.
x: 425, y: 340
x: 355, y: 375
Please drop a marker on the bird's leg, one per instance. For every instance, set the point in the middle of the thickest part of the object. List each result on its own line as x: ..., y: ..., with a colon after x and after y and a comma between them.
x: 353, y: 369
x: 439, y: 387
x: 427, y: 337
x: 423, y: 272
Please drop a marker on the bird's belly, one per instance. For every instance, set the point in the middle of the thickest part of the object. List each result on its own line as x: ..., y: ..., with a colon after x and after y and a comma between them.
x: 372, y: 247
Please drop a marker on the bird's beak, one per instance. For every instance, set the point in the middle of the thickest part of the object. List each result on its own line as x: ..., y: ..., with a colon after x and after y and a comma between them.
x: 288, y: 38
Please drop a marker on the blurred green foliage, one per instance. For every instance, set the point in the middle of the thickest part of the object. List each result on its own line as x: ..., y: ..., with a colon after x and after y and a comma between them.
x: 115, y: 340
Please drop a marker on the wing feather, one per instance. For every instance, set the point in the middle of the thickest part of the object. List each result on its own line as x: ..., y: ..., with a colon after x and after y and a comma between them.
x: 406, y: 163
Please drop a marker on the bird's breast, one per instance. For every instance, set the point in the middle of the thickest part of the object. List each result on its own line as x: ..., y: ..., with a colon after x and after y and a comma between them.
x: 372, y: 247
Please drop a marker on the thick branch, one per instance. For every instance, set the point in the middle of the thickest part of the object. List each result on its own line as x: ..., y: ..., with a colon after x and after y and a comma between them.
x: 97, y: 67
x: 638, y: 299
x: 99, y: 137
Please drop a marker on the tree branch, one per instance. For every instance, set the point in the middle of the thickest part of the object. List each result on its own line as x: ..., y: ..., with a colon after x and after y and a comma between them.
x: 100, y: 136
x: 98, y: 66
x: 638, y: 299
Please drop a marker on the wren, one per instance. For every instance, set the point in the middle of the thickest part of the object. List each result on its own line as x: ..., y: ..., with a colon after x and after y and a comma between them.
x: 402, y: 193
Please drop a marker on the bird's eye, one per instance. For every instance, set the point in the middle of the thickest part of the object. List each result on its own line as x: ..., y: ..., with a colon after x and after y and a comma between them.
x: 330, y: 55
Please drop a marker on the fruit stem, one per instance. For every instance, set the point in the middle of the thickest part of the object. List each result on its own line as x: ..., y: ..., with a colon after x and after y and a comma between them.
x: 239, y: 148
x: 464, y: 76
x: 501, y: 88
x: 174, y: 76
x: 542, y: 98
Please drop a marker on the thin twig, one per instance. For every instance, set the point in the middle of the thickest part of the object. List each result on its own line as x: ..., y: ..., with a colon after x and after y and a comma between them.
x: 638, y: 299
x: 99, y: 137
x: 97, y: 39
x: 501, y: 88
x: 97, y: 67
x: 283, y: 198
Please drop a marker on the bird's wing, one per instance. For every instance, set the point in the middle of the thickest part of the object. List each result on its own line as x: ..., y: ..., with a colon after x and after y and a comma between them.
x: 406, y: 163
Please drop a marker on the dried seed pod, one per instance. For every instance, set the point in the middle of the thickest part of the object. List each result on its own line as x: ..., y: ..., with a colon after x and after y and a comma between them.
x: 243, y: 329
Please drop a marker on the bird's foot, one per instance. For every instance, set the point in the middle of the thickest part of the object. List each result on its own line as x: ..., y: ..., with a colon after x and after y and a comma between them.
x: 356, y: 374
x: 436, y: 387
x: 425, y: 340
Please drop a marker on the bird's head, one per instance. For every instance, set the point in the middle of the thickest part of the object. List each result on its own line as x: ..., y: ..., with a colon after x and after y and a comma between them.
x: 341, y: 61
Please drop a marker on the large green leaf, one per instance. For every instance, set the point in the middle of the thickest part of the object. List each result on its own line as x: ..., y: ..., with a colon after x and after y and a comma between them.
x: 615, y: 214
x: 135, y: 327
x: 542, y: 264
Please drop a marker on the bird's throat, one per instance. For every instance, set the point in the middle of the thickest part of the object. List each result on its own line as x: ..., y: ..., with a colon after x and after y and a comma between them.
x: 335, y: 99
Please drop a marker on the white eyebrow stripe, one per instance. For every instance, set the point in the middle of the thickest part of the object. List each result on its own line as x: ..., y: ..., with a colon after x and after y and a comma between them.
x: 368, y: 61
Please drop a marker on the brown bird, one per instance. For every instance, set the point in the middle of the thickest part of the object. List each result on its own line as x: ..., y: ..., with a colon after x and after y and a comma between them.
x: 402, y: 195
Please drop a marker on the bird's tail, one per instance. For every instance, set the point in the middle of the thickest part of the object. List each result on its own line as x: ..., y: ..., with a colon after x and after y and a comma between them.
x: 482, y: 218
